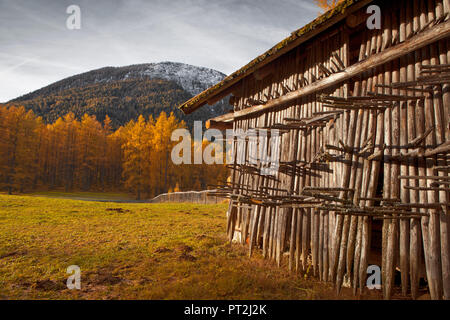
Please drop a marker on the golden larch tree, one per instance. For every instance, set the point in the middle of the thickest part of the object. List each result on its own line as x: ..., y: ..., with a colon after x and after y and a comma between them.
x: 326, y: 5
x: 136, y: 152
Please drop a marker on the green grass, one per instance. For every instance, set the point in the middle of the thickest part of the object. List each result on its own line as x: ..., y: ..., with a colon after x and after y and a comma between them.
x: 133, y: 251
x: 85, y: 195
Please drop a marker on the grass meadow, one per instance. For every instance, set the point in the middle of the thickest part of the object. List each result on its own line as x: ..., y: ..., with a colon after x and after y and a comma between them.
x: 133, y: 251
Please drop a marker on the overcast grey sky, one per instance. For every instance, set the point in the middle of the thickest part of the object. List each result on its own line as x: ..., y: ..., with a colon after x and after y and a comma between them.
x: 36, y: 48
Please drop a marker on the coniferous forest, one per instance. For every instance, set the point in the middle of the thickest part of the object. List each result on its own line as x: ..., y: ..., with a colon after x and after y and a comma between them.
x: 85, y: 154
x: 124, y: 93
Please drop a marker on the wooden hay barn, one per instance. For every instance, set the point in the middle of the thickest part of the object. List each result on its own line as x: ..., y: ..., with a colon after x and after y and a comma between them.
x: 364, y: 156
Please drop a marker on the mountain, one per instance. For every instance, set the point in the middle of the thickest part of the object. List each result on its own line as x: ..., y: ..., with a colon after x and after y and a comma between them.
x: 123, y: 93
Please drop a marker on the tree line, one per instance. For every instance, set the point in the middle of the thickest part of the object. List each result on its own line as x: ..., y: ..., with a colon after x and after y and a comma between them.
x: 88, y: 155
x: 121, y: 100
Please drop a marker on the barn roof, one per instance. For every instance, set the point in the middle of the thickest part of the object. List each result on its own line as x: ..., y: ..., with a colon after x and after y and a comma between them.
x: 296, y: 38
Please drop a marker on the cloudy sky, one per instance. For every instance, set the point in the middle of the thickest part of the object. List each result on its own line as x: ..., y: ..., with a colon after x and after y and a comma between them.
x: 36, y: 47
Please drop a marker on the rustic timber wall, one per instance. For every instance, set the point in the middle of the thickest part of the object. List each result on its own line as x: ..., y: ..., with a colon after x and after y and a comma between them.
x: 200, y: 197
x: 364, y: 162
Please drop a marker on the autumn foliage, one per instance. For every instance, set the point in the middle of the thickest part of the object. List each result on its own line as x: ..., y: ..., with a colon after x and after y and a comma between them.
x: 326, y: 5
x: 84, y: 154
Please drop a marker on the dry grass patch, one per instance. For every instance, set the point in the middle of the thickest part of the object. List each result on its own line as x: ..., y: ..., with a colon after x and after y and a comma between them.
x: 133, y: 251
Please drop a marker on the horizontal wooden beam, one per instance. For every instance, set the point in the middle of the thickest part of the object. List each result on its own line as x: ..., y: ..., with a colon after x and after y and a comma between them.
x: 432, y: 35
x: 211, y: 124
x: 228, y: 117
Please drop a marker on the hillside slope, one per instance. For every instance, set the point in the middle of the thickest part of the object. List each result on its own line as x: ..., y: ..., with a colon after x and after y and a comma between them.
x: 123, y: 93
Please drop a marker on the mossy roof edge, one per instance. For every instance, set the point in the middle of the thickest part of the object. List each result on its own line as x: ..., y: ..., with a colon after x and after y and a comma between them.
x: 201, y: 99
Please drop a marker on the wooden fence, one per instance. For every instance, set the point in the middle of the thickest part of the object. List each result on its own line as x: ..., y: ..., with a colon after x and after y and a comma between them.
x: 364, y: 149
x: 201, y: 197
